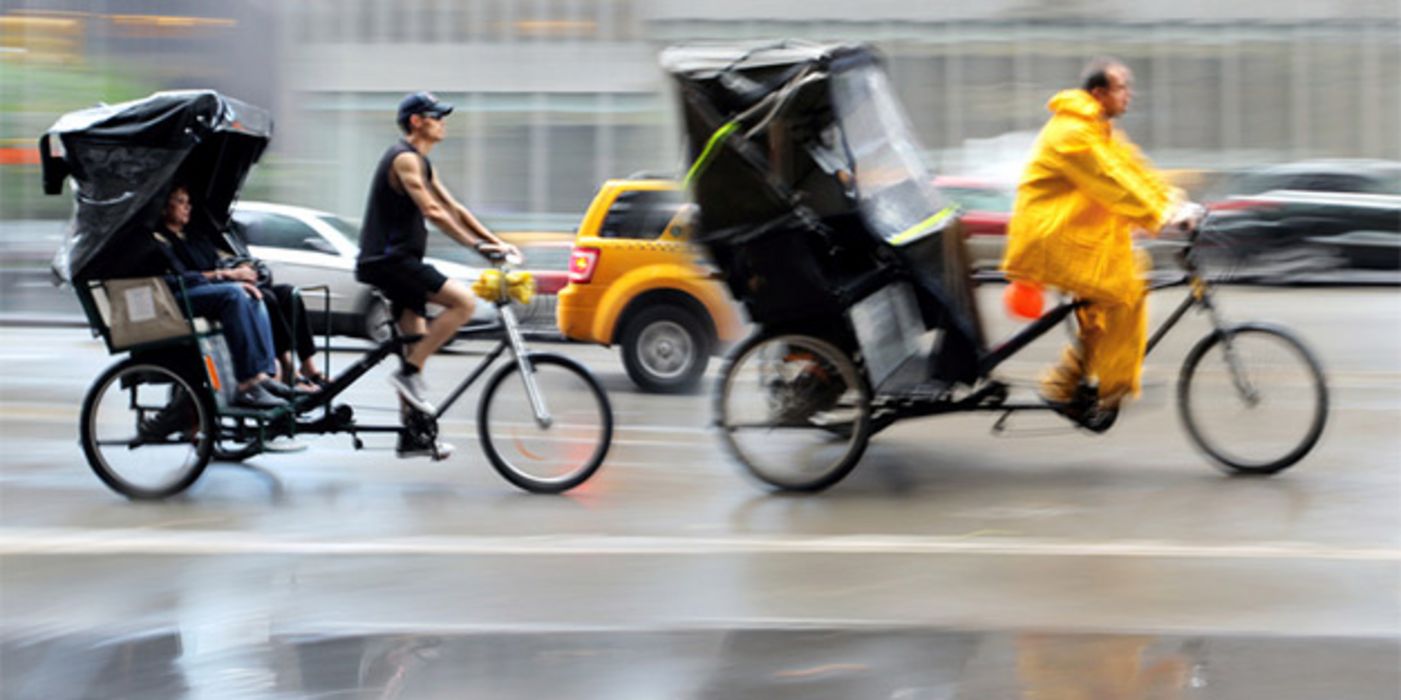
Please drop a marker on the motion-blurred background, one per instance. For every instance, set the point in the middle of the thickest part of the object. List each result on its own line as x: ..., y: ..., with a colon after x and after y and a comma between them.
x: 556, y: 95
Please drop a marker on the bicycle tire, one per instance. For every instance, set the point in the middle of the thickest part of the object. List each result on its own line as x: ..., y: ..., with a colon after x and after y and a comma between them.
x: 137, y: 373
x: 835, y: 460
x: 506, y: 464
x: 1312, y: 384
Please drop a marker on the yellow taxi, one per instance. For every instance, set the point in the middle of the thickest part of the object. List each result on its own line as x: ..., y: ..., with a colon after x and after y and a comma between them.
x: 635, y: 282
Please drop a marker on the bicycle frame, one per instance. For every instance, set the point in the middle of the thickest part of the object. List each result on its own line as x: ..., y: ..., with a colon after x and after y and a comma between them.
x: 330, y: 422
x: 991, y: 395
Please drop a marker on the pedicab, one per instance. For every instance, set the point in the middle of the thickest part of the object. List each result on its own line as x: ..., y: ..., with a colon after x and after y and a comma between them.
x: 818, y: 211
x: 152, y: 422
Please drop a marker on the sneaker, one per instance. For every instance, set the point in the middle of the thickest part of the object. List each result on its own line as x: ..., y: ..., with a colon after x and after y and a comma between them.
x: 411, y: 389
x: 282, y: 391
x: 258, y: 396
x: 282, y: 443
x: 411, y: 447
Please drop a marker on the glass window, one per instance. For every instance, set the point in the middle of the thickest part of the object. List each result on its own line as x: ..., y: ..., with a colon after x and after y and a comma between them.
x: 1336, y: 182
x: 641, y: 214
x: 345, y: 228
x: 277, y: 231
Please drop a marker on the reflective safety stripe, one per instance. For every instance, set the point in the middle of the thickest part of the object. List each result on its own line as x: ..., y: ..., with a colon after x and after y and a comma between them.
x: 213, y: 372
x: 915, y: 232
x: 709, y: 152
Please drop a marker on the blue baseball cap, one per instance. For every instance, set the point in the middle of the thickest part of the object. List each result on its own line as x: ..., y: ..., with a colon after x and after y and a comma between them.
x: 421, y: 103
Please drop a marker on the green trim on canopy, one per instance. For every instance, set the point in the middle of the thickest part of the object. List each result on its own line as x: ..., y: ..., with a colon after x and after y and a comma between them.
x: 708, y: 153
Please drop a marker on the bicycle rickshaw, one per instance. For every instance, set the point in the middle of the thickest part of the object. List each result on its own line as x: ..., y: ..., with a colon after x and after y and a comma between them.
x: 816, y: 207
x: 543, y: 420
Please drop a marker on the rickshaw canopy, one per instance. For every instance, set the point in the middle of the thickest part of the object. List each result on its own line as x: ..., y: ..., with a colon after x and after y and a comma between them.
x: 800, y: 147
x: 124, y: 158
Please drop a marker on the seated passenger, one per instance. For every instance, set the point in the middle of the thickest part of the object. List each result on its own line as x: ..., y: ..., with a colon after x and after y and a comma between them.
x: 222, y: 296
x: 291, y: 331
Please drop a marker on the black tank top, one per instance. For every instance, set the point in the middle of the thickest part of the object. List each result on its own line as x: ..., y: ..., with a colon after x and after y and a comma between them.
x: 393, y: 224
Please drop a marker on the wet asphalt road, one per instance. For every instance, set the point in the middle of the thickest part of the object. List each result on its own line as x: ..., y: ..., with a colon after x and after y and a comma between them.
x: 951, y: 564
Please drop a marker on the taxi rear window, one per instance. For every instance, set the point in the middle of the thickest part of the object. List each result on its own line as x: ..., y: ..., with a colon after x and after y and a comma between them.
x: 641, y: 214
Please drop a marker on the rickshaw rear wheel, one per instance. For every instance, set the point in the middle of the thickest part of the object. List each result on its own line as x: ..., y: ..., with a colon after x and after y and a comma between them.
x: 147, y: 430
x: 794, y: 410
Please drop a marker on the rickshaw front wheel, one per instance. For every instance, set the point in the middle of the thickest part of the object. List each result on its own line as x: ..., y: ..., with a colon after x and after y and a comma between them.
x: 795, y: 410
x: 147, y: 430
x: 1254, y: 398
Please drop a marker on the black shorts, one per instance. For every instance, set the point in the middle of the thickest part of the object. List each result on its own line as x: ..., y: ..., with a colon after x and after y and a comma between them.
x: 408, y: 282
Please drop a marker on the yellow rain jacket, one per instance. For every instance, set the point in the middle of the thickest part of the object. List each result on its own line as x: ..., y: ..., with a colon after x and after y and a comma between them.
x: 1085, y: 191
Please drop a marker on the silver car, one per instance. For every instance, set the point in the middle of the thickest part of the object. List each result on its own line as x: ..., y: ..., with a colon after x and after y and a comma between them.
x: 306, y: 247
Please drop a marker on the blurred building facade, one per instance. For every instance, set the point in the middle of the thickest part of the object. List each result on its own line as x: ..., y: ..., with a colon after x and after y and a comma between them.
x: 555, y: 95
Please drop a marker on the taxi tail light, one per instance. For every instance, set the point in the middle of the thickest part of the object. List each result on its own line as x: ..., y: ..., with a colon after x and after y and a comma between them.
x: 582, y: 263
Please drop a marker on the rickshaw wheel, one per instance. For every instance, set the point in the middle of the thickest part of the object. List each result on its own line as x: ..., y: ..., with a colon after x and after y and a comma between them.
x: 1253, y: 397
x: 794, y: 410
x: 147, y: 430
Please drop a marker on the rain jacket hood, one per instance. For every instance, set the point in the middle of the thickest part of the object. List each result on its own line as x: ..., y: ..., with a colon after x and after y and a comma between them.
x: 1085, y: 191
x: 1076, y: 103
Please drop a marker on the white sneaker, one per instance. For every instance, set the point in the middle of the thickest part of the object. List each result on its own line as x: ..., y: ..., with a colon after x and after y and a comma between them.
x: 282, y: 443
x: 411, y: 389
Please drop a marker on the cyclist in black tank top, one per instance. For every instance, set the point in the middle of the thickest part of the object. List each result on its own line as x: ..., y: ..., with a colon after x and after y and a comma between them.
x: 405, y: 191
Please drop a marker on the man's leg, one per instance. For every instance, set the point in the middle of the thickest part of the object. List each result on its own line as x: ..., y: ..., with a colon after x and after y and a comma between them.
x: 457, y: 305
x: 1117, y: 355
x: 1060, y: 383
x: 410, y: 324
x: 246, y: 329
x: 410, y: 444
x: 234, y: 310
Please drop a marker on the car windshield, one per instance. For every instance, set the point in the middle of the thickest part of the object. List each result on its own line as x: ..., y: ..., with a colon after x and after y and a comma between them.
x: 347, y: 229
x: 892, y: 183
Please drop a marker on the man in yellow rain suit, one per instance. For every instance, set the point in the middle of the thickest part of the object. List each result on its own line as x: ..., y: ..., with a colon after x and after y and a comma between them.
x: 1082, y: 197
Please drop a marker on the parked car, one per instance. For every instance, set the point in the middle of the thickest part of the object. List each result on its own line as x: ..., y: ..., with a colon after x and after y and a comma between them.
x: 636, y: 282
x: 1300, y: 219
x: 306, y: 247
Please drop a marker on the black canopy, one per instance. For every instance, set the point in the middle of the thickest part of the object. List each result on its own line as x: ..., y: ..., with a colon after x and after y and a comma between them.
x: 123, y: 160
x: 808, y: 176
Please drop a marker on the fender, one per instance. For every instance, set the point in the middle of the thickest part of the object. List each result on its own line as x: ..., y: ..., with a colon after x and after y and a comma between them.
x: 674, y: 276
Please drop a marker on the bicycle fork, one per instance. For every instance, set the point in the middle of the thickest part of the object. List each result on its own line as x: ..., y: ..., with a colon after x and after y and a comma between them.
x: 537, y: 400
x: 1238, y: 374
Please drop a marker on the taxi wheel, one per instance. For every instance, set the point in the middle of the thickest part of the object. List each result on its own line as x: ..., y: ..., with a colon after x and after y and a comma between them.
x: 665, y: 349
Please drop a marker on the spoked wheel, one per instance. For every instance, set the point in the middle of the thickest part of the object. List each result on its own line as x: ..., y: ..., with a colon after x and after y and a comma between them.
x: 1253, y: 398
x: 146, y: 430
x: 794, y: 410
x: 560, y: 454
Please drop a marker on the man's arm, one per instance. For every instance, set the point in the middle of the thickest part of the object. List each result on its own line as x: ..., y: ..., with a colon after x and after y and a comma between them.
x: 1118, y: 183
x: 410, y: 173
x: 465, y: 217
